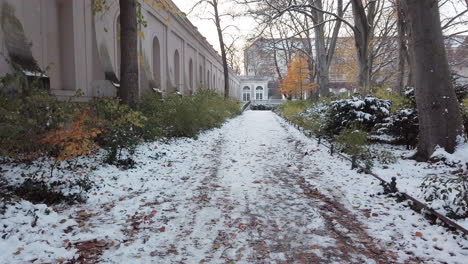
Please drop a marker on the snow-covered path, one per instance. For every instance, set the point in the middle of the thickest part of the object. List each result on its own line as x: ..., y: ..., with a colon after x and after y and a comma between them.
x: 254, y: 191
x: 247, y: 201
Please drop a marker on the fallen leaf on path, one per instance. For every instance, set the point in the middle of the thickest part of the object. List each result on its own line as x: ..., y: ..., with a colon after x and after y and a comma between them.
x: 242, y: 226
x: 19, y: 251
x: 418, y: 234
x: 314, y: 247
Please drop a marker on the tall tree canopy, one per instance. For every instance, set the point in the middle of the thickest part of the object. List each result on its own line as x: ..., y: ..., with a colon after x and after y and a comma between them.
x: 296, y: 83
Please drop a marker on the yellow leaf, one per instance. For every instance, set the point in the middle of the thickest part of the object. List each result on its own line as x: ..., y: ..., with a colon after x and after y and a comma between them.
x: 18, y: 251
x: 141, y: 34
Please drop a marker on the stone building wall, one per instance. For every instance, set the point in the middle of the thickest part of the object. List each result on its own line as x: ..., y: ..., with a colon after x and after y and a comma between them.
x: 80, y: 51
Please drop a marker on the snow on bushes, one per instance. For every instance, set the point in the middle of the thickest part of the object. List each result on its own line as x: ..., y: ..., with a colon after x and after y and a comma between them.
x: 402, y: 125
x: 449, y: 192
x: 363, y: 112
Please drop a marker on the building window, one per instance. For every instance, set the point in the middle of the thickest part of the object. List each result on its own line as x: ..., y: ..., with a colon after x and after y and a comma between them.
x: 259, y: 93
x: 246, y: 94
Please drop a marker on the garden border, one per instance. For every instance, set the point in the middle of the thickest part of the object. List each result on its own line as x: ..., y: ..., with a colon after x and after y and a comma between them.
x: 425, y: 209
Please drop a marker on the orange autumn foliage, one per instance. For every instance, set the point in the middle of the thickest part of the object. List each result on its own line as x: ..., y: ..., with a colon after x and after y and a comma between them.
x: 75, y: 141
x: 345, y: 60
x: 296, y: 82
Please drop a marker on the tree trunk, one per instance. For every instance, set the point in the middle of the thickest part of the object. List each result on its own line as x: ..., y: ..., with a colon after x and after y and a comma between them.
x: 128, y: 90
x: 440, y: 121
x: 223, y: 48
x: 277, y: 68
x: 322, y: 67
x: 323, y: 78
x: 402, y: 49
x: 363, y: 36
x: 313, y: 95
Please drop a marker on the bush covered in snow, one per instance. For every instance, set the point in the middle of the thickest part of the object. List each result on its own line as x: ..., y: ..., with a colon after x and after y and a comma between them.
x: 261, y: 107
x: 461, y: 89
x: 315, y: 118
x: 363, y: 112
x: 398, y: 101
x: 448, y: 192
x: 402, y: 125
x: 309, y: 115
x: 465, y: 114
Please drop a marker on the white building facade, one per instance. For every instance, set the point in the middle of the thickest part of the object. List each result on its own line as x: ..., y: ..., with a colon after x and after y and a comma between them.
x: 80, y: 50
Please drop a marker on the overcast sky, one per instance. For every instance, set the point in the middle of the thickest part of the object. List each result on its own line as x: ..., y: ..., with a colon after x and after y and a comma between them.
x: 243, y: 26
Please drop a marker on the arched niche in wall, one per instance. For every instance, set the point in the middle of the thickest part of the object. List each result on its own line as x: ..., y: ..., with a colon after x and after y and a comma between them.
x: 201, y: 76
x: 118, y: 47
x: 191, y: 88
x: 176, y: 71
x: 157, y: 62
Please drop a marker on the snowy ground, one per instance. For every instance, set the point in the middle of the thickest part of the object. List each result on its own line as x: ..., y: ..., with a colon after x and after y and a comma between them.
x: 411, y: 174
x: 254, y: 191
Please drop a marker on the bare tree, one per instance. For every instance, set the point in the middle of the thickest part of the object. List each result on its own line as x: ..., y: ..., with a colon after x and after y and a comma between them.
x: 321, y: 13
x: 403, y: 56
x: 128, y: 90
x: 232, y: 53
x: 363, y: 29
x: 439, y: 114
x: 216, y: 18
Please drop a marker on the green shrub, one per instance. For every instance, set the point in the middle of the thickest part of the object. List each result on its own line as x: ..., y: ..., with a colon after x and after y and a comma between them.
x: 185, y: 116
x: 26, y: 116
x: 352, y: 141
x: 292, y: 109
x: 121, y: 127
x: 386, y: 157
x: 261, y: 107
x: 465, y: 114
x: 314, y: 123
x: 364, y: 112
x: 398, y: 101
x: 449, y: 192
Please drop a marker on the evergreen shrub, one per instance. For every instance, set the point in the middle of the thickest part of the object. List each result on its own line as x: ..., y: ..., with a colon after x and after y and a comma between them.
x: 185, y: 116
